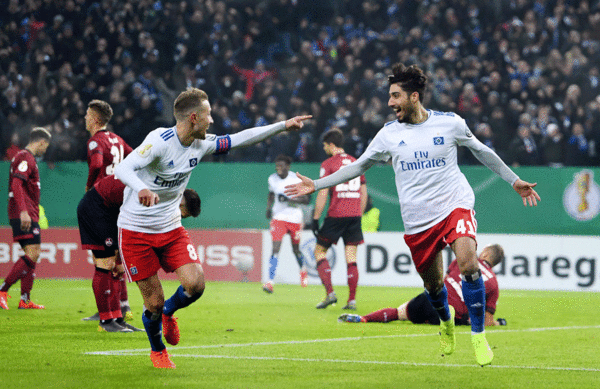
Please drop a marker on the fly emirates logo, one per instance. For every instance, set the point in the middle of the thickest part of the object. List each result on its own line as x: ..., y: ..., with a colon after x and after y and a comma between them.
x: 422, y: 161
x: 178, y: 179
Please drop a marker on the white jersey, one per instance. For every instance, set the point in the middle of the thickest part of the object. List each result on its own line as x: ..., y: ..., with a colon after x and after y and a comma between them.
x: 164, y: 166
x: 282, y: 208
x: 424, y: 156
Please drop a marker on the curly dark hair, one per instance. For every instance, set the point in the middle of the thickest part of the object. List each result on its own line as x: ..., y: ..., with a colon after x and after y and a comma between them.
x: 411, y: 78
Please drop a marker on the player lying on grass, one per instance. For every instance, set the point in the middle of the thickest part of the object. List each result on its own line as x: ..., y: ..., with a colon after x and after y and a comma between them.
x: 419, y: 310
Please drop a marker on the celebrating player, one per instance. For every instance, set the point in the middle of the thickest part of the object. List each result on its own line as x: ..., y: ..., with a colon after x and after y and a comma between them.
x: 286, y: 218
x: 104, y: 151
x: 23, y: 214
x: 97, y: 215
x: 436, y: 200
x: 418, y: 310
x: 151, y: 235
x: 346, y: 206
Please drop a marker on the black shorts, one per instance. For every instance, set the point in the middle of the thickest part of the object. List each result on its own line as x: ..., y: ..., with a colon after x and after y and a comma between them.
x: 97, y: 225
x: 349, y: 228
x: 26, y: 238
x: 420, y: 311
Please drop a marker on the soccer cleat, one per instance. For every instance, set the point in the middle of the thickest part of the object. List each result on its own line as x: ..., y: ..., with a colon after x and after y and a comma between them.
x: 330, y: 299
x: 170, y: 329
x: 350, y: 318
x: 447, y: 334
x: 94, y: 317
x: 483, y: 352
x: 124, y: 324
x: 268, y: 287
x: 126, y: 313
x: 3, y: 302
x: 351, y: 306
x: 161, y: 359
x: 112, y: 326
x: 303, y: 278
x: 29, y: 305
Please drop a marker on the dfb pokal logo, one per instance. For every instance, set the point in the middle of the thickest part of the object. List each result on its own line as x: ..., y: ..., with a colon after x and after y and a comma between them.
x: 308, y: 251
x: 581, y: 198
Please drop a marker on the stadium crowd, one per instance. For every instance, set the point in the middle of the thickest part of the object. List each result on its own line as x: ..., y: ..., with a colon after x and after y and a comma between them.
x: 523, y: 73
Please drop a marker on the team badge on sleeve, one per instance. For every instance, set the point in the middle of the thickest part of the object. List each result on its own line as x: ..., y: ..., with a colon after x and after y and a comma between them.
x: 144, y: 150
x: 93, y: 145
x: 468, y: 132
x: 23, y: 167
x: 438, y: 140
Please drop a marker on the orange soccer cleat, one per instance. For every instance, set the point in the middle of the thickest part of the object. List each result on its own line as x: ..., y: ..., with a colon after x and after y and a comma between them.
x: 161, y: 359
x: 170, y: 329
x: 3, y: 302
x: 29, y: 305
x: 303, y: 278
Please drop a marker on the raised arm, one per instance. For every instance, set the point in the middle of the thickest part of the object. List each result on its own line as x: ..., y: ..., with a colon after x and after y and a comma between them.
x: 308, y: 186
x: 258, y: 134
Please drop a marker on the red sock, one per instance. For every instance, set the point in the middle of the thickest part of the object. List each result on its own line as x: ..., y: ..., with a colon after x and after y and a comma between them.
x: 18, y: 271
x: 325, y: 275
x: 352, y: 280
x: 114, y: 300
x: 102, y: 284
x: 382, y: 316
x: 124, y: 296
x: 27, y: 282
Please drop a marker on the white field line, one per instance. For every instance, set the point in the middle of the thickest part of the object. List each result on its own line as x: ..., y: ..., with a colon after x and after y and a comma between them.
x: 136, y: 352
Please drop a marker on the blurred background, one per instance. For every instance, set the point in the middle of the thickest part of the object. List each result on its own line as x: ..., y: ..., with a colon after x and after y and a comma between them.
x: 523, y: 73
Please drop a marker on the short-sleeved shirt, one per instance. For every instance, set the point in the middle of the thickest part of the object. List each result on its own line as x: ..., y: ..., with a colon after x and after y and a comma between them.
x: 111, y: 190
x: 113, y: 150
x: 24, y: 173
x: 164, y: 166
x: 455, y: 295
x: 429, y: 182
x: 282, y: 209
x: 344, y: 198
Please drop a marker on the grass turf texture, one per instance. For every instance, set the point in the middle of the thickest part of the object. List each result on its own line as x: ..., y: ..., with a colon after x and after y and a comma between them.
x: 237, y: 336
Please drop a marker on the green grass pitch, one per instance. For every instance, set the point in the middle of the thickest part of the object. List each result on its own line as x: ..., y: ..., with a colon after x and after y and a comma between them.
x: 236, y: 336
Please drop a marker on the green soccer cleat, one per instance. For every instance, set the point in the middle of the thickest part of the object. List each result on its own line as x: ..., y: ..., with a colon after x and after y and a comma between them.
x: 483, y: 352
x: 447, y: 334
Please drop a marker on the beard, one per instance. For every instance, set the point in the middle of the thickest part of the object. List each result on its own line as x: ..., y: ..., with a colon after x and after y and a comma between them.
x: 408, y: 112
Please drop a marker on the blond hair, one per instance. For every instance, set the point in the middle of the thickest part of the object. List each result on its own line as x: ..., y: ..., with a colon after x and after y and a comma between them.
x: 187, y: 102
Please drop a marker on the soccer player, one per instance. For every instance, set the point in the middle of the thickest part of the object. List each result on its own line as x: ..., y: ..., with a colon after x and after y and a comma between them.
x: 418, y: 310
x: 23, y: 214
x: 436, y: 200
x: 347, y: 202
x: 105, y: 150
x: 150, y: 231
x: 286, y: 218
x: 97, y: 215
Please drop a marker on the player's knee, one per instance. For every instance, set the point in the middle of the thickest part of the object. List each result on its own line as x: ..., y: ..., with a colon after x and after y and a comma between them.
x: 34, y: 254
x: 433, y: 287
x: 196, y: 287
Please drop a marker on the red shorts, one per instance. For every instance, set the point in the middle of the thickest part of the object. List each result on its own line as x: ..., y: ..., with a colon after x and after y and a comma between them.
x: 143, y: 254
x: 279, y: 228
x: 425, y: 245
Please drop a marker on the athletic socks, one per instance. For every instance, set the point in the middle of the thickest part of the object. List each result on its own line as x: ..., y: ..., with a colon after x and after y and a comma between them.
x: 272, y: 266
x: 124, y: 297
x: 473, y: 290
x: 300, y: 259
x: 27, y: 280
x: 325, y: 275
x: 153, y: 325
x: 101, y: 284
x: 352, y: 280
x: 18, y: 271
x: 439, y: 302
x: 382, y: 316
x: 180, y: 299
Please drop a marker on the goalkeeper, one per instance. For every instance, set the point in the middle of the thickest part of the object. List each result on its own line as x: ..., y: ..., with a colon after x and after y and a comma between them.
x: 419, y: 310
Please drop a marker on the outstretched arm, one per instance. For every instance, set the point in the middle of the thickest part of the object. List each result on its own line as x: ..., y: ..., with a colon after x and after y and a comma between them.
x: 308, y: 186
x: 258, y: 134
x: 526, y: 191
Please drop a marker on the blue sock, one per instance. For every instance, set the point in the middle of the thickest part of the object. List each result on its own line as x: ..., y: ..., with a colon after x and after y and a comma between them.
x: 272, y: 266
x: 153, y: 325
x: 300, y: 259
x: 473, y: 290
x: 180, y: 299
x: 440, y: 303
